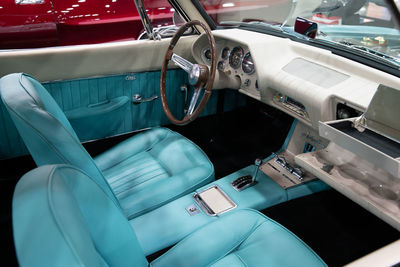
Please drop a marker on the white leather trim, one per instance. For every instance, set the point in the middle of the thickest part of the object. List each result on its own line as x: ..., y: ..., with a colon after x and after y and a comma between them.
x: 69, y: 62
x: 271, y: 54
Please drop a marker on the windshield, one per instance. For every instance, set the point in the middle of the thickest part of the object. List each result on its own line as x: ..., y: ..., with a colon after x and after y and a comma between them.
x: 362, y: 25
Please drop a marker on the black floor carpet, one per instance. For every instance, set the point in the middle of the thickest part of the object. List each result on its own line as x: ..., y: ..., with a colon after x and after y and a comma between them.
x: 11, y: 171
x: 233, y: 140
x: 336, y: 228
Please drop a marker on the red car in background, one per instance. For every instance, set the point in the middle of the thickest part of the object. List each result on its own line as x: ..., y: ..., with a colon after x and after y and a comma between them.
x: 41, y: 23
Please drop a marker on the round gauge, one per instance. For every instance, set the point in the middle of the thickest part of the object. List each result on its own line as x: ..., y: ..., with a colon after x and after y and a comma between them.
x: 225, y: 53
x: 207, y: 55
x: 235, y: 58
x: 221, y: 65
x: 248, y: 64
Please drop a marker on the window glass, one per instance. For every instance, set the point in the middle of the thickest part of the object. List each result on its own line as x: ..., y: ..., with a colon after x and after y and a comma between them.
x: 363, y: 26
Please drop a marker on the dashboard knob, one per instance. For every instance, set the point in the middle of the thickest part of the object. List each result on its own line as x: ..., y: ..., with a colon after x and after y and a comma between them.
x: 343, y: 113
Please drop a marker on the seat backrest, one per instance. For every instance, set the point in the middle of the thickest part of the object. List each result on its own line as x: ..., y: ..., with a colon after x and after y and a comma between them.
x: 61, y: 217
x: 46, y: 131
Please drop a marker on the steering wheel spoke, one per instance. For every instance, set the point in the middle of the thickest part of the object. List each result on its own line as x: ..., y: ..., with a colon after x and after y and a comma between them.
x: 193, y: 101
x: 199, y: 75
x: 182, y: 63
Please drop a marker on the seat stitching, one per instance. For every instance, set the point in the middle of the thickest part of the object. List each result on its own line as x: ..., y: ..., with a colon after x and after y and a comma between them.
x: 237, y: 244
x: 50, y: 178
x: 35, y: 98
x: 68, y: 133
x: 50, y: 144
x: 240, y: 258
x: 229, y: 251
x: 129, y: 171
x: 40, y: 135
x: 147, y: 149
x: 130, y: 187
x: 193, y: 187
x: 133, y: 176
x: 289, y: 232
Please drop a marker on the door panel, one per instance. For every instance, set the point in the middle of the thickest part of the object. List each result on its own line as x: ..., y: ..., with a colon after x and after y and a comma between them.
x: 116, y: 72
x: 75, y: 96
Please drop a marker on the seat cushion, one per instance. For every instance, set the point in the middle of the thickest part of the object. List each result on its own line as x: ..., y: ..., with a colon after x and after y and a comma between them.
x: 153, y: 168
x: 241, y: 238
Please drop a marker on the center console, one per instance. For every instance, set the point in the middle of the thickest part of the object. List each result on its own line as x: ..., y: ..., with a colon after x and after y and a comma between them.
x: 266, y: 183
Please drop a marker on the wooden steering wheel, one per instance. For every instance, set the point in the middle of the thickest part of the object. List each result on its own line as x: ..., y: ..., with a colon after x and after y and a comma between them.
x: 199, y: 75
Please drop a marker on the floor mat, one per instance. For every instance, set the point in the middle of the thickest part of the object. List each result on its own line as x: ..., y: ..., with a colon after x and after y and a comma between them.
x: 336, y: 228
x: 233, y: 140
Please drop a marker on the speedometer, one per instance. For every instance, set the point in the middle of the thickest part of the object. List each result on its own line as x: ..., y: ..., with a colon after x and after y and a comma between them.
x: 248, y: 64
x: 235, y: 58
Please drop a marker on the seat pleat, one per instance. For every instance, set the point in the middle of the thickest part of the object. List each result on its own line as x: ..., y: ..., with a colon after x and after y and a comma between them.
x: 124, y: 162
x: 135, y: 171
x: 139, y: 180
x: 130, y: 188
x: 123, y: 169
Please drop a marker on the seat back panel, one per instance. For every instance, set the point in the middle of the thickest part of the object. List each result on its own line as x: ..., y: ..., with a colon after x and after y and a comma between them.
x: 76, y: 227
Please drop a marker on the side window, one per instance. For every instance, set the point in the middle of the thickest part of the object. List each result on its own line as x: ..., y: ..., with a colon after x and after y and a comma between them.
x: 44, y: 23
x: 163, y: 18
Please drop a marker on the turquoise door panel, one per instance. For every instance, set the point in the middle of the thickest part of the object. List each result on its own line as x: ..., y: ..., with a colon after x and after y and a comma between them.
x: 101, y: 107
x: 77, y: 95
x: 89, y: 121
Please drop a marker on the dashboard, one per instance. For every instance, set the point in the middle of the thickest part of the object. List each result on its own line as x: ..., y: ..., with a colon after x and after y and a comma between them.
x: 235, y: 62
x: 309, y: 83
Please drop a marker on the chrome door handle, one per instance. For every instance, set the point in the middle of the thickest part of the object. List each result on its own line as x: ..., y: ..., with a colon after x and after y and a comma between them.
x: 138, y: 99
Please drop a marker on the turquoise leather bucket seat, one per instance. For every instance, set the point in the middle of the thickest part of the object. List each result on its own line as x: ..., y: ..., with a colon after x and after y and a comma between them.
x: 61, y: 217
x: 140, y: 174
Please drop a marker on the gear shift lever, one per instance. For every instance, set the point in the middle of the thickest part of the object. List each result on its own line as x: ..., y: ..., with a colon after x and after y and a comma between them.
x: 243, y: 182
x: 257, y: 164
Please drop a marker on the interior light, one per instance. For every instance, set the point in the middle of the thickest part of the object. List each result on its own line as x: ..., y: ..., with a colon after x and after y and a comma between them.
x: 64, y: 11
x: 107, y: 6
x: 172, y: 10
x: 228, y: 5
x: 81, y: 1
x: 75, y: 5
x: 95, y: 15
x: 161, y: 8
x: 70, y: 8
x: 114, y: 1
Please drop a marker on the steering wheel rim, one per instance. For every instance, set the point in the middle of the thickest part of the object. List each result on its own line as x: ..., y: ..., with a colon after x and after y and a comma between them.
x: 203, y: 74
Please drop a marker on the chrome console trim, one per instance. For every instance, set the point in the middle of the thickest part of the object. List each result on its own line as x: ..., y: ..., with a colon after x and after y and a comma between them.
x: 206, y: 208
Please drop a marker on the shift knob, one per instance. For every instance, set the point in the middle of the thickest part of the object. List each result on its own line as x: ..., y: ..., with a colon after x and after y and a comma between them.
x: 257, y: 164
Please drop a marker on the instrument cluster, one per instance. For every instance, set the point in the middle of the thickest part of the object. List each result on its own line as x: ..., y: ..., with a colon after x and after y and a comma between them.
x: 236, y: 61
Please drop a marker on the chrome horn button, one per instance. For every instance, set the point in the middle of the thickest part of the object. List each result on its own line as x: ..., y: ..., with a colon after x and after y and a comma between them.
x: 194, y: 74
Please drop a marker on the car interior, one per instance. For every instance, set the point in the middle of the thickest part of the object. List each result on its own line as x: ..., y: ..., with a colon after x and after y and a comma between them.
x: 217, y: 146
